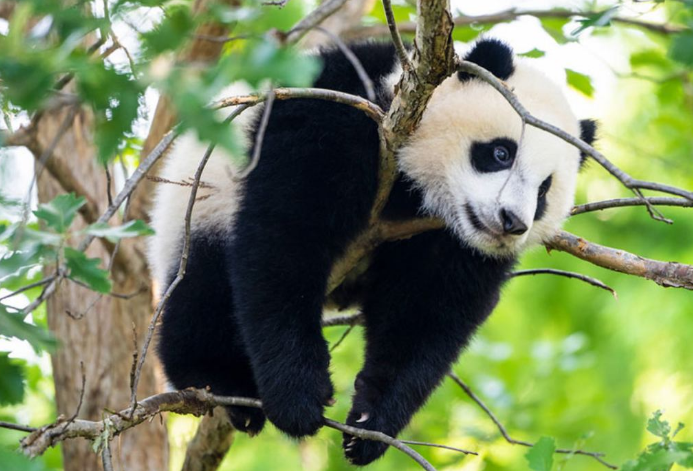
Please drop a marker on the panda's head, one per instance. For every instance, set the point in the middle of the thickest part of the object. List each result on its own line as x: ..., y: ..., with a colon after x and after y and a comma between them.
x: 500, y: 187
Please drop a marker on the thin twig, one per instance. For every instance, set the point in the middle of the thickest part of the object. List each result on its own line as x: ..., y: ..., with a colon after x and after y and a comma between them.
x: 368, y: 107
x: 396, y: 38
x: 380, y: 437
x: 36, y: 284
x: 341, y: 339
x: 17, y: 427
x: 81, y: 398
x: 349, y: 319
x: 510, y: 15
x: 260, y: 137
x: 623, y: 202
x: 355, y: 62
x: 567, y: 274
x: 436, y: 445
x: 501, y: 428
x: 314, y: 18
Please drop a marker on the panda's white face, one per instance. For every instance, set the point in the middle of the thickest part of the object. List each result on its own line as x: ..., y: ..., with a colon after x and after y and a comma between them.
x: 500, y: 187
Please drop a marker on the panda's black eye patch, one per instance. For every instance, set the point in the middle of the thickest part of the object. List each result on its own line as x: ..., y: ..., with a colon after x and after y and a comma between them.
x: 493, y: 156
x: 541, y: 197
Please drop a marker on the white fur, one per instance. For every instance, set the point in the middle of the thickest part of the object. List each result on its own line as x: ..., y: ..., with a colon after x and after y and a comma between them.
x: 217, y: 196
x: 437, y: 158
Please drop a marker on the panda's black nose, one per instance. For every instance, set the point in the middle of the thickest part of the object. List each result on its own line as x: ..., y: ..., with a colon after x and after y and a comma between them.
x: 512, y: 224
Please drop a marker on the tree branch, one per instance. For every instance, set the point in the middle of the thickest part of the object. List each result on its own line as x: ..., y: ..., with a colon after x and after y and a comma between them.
x: 433, y: 59
x: 212, y: 440
x: 667, y: 274
x: 360, y: 103
x: 510, y: 15
x: 623, y: 202
x: 597, y: 456
x: 189, y: 401
x: 568, y: 274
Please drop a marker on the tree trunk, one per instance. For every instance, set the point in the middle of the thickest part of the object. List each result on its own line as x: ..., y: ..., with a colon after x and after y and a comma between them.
x: 103, y: 338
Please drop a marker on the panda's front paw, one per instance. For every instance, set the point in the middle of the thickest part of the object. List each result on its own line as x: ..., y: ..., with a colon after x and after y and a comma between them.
x: 359, y: 451
x: 370, y: 412
x: 296, y: 406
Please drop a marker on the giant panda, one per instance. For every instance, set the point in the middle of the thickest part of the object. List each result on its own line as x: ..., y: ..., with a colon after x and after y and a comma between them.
x: 245, y: 320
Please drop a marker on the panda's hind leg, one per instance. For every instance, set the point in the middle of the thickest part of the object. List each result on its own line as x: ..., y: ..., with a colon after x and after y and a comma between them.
x: 200, y: 344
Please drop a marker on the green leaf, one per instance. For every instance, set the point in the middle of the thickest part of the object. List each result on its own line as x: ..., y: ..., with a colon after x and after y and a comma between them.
x: 59, y: 213
x: 113, y: 233
x: 650, y: 57
x: 12, y: 324
x: 596, y: 20
x: 267, y: 60
x: 554, y: 28
x: 87, y: 270
x: 540, y: 456
x: 15, y: 261
x: 580, y: 82
x: 11, y: 381
x: 533, y: 54
x: 657, y: 426
x: 682, y: 48
x: 175, y: 29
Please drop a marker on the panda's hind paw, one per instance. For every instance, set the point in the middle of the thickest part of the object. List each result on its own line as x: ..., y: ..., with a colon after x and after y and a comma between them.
x: 246, y: 419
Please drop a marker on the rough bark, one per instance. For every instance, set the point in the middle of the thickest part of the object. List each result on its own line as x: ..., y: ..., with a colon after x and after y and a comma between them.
x: 102, y: 339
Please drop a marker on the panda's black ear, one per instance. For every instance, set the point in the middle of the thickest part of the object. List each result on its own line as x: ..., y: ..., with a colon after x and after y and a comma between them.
x: 493, y: 55
x: 588, y: 133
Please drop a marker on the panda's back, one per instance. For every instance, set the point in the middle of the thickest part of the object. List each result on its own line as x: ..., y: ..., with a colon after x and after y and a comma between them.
x: 219, y: 196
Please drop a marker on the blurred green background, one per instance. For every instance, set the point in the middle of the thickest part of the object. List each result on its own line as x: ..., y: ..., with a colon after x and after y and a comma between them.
x: 558, y: 358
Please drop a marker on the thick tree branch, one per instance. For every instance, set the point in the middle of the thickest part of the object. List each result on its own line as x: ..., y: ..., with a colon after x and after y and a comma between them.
x: 432, y: 60
x: 212, y: 440
x: 667, y: 274
x: 510, y: 15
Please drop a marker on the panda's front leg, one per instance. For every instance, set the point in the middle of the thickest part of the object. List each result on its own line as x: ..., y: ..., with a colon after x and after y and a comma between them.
x: 278, y: 278
x: 429, y: 296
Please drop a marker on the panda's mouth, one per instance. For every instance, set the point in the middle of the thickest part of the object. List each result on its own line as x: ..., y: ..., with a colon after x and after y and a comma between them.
x: 476, y: 222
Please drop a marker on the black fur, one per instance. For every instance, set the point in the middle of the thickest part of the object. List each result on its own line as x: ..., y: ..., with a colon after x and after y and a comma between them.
x: 541, y: 197
x: 493, y: 55
x: 588, y: 133
x: 246, y: 318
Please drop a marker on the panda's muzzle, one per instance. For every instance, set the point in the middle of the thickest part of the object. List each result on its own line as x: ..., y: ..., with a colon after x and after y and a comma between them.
x: 511, y: 222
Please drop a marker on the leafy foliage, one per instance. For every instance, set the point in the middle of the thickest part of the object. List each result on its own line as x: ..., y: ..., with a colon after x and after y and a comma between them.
x: 11, y: 381
x: 664, y: 454
x: 540, y: 456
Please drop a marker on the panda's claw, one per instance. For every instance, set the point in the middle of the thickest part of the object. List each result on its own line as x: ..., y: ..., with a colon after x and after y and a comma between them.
x: 246, y: 419
x: 364, y: 416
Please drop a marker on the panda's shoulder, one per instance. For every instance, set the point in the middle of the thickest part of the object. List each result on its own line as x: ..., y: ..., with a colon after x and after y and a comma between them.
x: 378, y: 60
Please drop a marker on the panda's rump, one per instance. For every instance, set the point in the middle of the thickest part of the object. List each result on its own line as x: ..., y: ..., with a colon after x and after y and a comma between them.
x: 214, y: 209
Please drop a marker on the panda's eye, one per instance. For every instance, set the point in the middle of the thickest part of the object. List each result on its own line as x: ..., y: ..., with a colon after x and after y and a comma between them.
x: 501, y: 154
x: 544, y: 187
x: 493, y: 156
